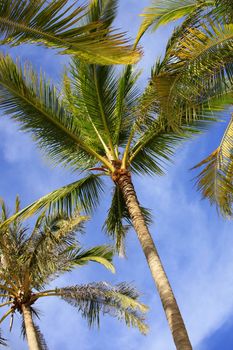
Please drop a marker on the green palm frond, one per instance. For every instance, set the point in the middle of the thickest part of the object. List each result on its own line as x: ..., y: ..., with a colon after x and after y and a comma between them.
x: 225, y: 8
x: 94, y: 97
x: 194, y: 71
x: 100, y: 254
x: 52, y: 251
x: 165, y: 11
x: 104, y: 104
x: 82, y: 195
x: 61, y: 225
x: 118, y: 220
x: 34, y: 103
x: 103, y: 10
x: 120, y: 301
x: 154, y: 147
x: 125, y: 105
x: 215, y: 181
x: 60, y: 25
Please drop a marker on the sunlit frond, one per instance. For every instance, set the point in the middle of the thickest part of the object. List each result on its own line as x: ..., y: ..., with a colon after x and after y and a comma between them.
x: 100, y: 254
x: 61, y: 25
x: 196, y: 70
x: 165, y: 11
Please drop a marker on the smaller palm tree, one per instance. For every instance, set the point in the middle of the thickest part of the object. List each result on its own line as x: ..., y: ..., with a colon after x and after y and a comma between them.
x: 28, y: 263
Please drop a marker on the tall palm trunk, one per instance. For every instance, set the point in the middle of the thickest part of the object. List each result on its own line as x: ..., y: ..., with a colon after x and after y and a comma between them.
x: 30, y: 329
x: 170, y: 306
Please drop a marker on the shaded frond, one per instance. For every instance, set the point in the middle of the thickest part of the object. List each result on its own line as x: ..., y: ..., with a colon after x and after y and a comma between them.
x: 118, y: 220
x: 60, y: 25
x: 120, y: 301
x: 215, y: 181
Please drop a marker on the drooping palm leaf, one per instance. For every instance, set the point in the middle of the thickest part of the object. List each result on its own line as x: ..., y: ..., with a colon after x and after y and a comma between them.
x: 117, y: 223
x: 215, y: 181
x: 100, y: 254
x: 120, y: 301
x: 118, y: 220
x: 60, y: 25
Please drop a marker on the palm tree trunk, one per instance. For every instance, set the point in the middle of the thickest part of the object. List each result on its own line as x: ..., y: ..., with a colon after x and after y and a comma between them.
x: 170, y: 306
x: 30, y: 329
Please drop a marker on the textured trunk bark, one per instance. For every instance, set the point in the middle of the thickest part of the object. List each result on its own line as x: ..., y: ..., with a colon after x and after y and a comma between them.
x: 30, y: 329
x: 170, y: 306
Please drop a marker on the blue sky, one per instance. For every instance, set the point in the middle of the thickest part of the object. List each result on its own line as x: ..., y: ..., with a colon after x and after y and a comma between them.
x: 195, y: 244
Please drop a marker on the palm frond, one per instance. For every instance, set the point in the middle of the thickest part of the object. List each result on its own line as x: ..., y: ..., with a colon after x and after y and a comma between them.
x: 60, y: 25
x: 100, y: 254
x: 34, y: 103
x: 215, y: 181
x: 127, y: 95
x: 163, y: 12
x: 3, y: 341
x: 118, y: 220
x: 155, y: 147
x: 61, y: 225
x: 196, y: 70
x: 104, y: 103
x: 207, y: 58
x: 80, y: 195
x: 94, y: 97
x: 120, y: 301
x: 104, y: 11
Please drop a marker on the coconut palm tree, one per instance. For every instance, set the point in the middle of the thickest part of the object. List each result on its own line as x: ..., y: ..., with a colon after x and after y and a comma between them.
x: 30, y: 262
x: 203, y: 43
x: 102, y: 125
x: 61, y: 24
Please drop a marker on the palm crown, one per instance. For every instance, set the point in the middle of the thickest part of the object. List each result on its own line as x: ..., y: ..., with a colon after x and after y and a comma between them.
x: 30, y: 262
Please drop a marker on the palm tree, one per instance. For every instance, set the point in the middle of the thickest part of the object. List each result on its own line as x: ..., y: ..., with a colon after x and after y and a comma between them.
x: 203, y: 43
x: 30, y: 262
x: 103, y: 126
x: 61, y: 25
